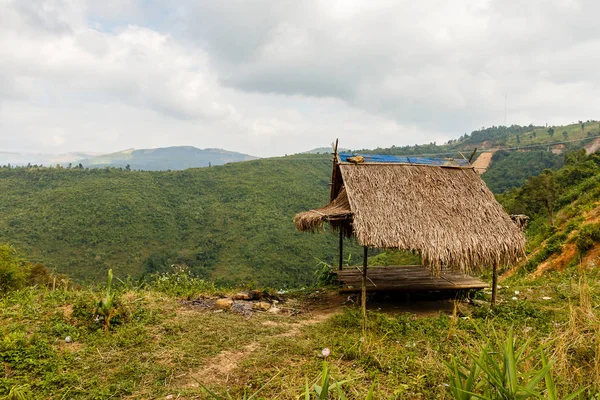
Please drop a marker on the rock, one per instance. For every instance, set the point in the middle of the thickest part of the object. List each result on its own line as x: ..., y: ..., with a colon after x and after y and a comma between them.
x: 68, y: 339
x: 203, y: 303
x: 223, y: 304
x: 243, y: 308
x: 546, y: 298
x: 241, y: 296
x: 479, y: 303
x: 261, y: 306
x: 170, y: 397
x: 246, y: 296
x: 274, y: 310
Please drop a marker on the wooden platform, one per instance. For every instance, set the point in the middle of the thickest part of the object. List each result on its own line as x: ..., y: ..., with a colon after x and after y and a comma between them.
x: 408, y: 278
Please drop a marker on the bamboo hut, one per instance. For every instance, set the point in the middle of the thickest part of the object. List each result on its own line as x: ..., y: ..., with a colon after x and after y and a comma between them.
x: 439, y: 208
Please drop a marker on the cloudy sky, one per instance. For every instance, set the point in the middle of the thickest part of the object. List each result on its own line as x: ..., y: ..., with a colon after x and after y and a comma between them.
x: 274, y: 77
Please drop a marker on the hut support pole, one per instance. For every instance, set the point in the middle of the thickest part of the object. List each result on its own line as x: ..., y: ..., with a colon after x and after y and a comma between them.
x: 494, y: 284
x: 363, y: 294
x: 341, y: 247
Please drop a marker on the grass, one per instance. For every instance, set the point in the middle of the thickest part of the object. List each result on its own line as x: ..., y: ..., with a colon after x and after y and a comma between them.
x: 158, y: 346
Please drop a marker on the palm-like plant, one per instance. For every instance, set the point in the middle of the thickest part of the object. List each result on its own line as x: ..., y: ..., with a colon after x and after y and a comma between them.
x: 497, y: 373
x: 106, y: 307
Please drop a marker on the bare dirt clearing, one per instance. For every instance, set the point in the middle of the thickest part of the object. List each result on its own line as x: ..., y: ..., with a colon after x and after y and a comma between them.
x: 482, y: 162
x: 318, y: 307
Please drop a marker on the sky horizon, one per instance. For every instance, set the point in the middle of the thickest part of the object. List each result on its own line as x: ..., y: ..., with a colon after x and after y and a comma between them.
x: 269, y: 78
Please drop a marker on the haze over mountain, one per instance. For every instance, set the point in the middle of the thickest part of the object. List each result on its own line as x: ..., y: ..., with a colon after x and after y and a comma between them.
x: 160, y: 159
x: 46, y: 159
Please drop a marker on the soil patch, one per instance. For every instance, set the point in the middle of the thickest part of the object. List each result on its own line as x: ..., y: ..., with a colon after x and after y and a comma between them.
x: 557, y: 261
x: 482, y: 162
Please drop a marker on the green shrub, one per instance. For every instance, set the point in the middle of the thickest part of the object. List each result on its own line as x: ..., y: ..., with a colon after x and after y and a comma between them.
x: 180, y: 282
x: 587, y: 236
x: 12, y: 273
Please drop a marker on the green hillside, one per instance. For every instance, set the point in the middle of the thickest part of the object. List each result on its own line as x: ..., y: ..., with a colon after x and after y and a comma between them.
x: 168, y: 337
x: 564, y: 211
x: 519, y: 151
x: 510, y: 169
x: 232, y: 223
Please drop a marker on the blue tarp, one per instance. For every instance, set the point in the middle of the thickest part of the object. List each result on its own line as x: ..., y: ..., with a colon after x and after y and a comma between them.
x: 375, y: 158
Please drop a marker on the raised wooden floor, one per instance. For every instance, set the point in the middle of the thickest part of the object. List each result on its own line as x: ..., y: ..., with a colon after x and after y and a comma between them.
x: 406, y: 278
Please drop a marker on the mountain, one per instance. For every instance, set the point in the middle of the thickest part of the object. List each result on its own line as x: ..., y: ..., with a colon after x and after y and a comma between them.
x: 324, y: 150
x: 22, y: 159
x: 166, y: 158
x: 230, y: 223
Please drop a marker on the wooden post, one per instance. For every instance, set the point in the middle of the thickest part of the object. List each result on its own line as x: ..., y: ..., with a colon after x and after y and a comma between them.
x: 472, y: 155
x: 341, y: 246
x: 332, y: 192
x: 363, y: 295
x: 494, y: 284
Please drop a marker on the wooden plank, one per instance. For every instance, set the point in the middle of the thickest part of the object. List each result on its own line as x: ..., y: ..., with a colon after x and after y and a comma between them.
x: 406, y: 278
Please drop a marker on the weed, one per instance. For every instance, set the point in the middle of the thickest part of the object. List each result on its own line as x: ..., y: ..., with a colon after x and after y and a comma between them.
x: 107, y: 308
x: 502, y: 371
x: 324, y: 274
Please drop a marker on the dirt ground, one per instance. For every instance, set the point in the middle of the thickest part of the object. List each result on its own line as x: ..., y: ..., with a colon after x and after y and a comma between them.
x: 482, y: 162
x: 319, y: 307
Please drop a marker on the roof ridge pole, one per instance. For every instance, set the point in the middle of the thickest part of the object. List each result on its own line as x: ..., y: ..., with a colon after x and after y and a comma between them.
x: 363, y: 294
x: 334, y: 165
x: 472, y: 155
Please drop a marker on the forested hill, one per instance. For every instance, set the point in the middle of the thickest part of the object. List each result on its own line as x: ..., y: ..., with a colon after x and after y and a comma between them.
x: 230, y: 223
x: 564, y: 211
x: 517, y: 152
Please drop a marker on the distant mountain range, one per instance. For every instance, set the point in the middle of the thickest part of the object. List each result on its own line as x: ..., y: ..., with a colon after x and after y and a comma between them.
x: 160, y: 159
x: 22, y: 159
x: 323, y: 150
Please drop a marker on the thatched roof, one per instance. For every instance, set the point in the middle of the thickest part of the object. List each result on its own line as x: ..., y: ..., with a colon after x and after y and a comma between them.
x: 337, y: 210
x: 445, y: 213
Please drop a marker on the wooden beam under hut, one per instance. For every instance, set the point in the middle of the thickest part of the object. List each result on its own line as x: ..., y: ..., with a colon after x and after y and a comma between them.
x: 341, y: 265
x: 406, y: 278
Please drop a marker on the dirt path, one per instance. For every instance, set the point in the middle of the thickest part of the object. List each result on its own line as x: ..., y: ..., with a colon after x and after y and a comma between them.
x: 224, y: 364
x: 222, y: 367
x: 482, y: 162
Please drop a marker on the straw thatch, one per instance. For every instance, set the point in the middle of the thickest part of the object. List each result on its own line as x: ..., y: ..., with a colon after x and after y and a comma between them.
x: 446, y: 214
x: 336, y: 213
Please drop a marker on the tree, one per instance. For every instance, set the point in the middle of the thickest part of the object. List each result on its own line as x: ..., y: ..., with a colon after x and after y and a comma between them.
x: 551, y: 131
x: 12, y: 273
x: 541, y: 192
x: 128, y: 167
x: 582, y: 124
x: 565, y: 134
x: 534, y: 134
x: 518, y: 138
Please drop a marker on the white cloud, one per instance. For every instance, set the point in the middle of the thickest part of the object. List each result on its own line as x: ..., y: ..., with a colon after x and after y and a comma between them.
x: 274, y: 77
